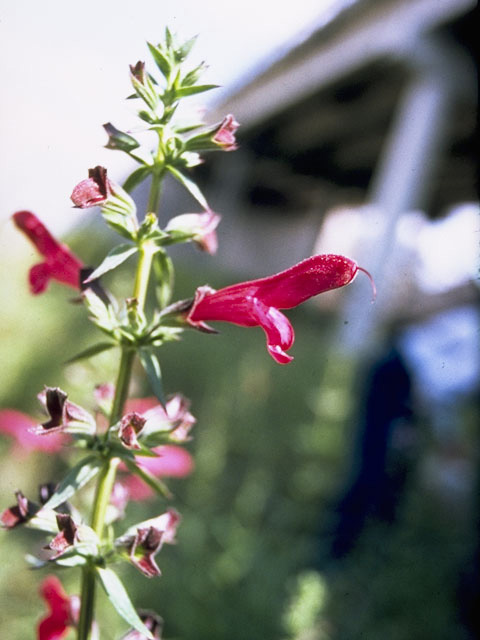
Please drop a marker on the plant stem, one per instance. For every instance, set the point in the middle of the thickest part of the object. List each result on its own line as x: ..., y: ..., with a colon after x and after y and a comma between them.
x: 143, y: 273
x: 87, y: 603
x: 155, y: 190
x: 107, y: 475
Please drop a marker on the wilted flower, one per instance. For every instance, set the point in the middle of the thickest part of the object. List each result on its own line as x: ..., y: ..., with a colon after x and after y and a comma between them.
x: 144, y: 540
x: 152, y: 621
x: 66, y: 537
x: 64, y: 415
x: 256, y: 303
x: 20, y: 513
x: 60, y: 263
x: 63, y: 610
x: 219, y: 137
x: 94, y: 190
x: 225, y: 135
x: 200, y: 227
x: 130, y: 426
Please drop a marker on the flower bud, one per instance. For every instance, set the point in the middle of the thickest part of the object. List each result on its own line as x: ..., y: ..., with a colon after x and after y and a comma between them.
x: 199, y: 227
x: 119, y: 140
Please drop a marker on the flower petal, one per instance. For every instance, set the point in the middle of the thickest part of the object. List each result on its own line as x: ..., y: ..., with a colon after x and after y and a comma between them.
x: 55, y: 625
x: 60, y: 263
x: 19, y: 426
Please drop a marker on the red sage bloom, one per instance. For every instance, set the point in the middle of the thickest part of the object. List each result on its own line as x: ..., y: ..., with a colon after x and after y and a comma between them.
x: 60, y: 263
x: 256, y: 303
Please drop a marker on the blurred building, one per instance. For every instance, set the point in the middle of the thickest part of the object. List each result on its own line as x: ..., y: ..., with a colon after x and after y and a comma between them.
x: 378, y: 106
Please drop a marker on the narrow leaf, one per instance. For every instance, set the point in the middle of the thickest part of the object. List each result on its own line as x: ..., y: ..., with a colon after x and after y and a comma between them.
x: 154, y: 483
x: 120, y: 599
x: 152, y: 368
x: 189, y: 185
x: 183, y: 92
x: 162, y: 62
x: 135, y: 178
x: 91, y: 351
x: 115, y: 258
x: 81, y: 473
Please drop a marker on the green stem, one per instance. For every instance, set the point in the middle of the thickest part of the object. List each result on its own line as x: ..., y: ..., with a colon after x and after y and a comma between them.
x: 155, y: 190
x: 107, y: 474
x: 157, y: 176
x: 88, y: 603
x: 122, y: 386
x: 146, y: 252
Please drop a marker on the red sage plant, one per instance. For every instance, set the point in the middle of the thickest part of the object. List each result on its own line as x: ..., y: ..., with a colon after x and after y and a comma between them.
x: 127, y: 445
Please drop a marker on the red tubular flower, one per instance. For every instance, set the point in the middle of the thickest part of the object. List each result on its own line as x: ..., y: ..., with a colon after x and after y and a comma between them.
x: 63, y: 611
x: 256, y: 303
x: 60, y: 263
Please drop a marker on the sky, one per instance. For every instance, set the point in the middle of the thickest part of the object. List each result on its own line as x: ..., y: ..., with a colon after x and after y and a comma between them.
x: 65, y: 72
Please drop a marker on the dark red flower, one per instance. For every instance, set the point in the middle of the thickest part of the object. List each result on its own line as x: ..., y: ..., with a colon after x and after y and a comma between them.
x: 63, y: 611
x: 60, y: 263
x: 130, y: 427
x: 64, y: 416
x: 66, y: 537
x: 256, y: 303
x: 144, y: 541
x: 94, y: 190
x: 19, y: 513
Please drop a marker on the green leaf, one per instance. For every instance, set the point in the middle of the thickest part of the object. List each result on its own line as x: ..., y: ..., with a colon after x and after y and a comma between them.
x: 115, y: 258
x: 183, y: 92
x: 135, y: 178
x: 189, y: 185
x: 89, y: 352
x: 162, y: 62
x: 101, y: 314
x: 154, y: 483
x: 120, y: 599
x: 186, y: 47
x: 81, y: 473
x: 152, y: 368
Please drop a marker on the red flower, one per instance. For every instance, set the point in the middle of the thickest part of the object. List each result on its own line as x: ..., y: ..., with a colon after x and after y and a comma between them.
x: 63, y: 611
x: 225, y: 135
x: 21, y: 427
x: 256, y: 303
x: 94, y: 190
x: 60, y: 263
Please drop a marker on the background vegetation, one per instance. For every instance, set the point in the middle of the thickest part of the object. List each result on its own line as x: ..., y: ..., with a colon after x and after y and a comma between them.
x: 272, y: 448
